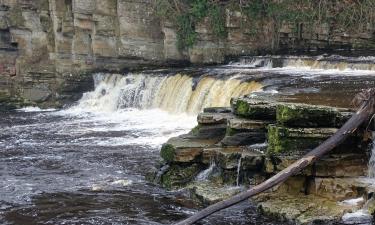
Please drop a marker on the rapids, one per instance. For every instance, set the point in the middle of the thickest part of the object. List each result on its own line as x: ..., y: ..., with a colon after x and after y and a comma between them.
x: 86, y: 164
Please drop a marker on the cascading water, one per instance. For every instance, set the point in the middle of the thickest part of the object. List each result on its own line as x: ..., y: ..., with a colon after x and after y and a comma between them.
x: 238, y: 171
x: 371, y: 164
x: 171, y: 93
x: 205, y: 174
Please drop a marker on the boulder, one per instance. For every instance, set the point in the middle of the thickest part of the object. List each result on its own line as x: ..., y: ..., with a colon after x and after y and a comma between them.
x: 209, y: 193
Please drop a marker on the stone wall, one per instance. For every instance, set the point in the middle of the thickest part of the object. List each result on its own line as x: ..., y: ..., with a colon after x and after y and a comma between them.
x: 48, y: 47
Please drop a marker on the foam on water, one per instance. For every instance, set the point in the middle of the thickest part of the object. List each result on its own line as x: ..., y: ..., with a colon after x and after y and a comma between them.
x: 35, y: 109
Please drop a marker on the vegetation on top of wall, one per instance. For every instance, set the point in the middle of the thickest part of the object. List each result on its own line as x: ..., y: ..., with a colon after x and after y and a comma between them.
x: 341, y: 15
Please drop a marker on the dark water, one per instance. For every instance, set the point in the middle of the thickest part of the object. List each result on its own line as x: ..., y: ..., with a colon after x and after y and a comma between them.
x: 65, y: 168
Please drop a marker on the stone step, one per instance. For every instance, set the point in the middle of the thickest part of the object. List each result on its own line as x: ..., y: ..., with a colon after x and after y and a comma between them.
x: 298, y: 141
x: 332, y: 165
x: 184, y: 149
x: 241, y: 132
x: 252, y: 108
x: 208, y: 118
x: 302, y: 115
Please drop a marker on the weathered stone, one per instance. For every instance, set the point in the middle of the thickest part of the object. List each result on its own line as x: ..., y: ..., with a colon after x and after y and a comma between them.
x: 179, y: 175
x: 214, y: 132
x: 256, y: 109
x: 244, y: 138
x: 336, y: 189
x: 217, y: 110
x: 302, y: 115
x: 183, y: 149
x: 209, y: 193
x: 213, y: 118
x: 332, y: 165
x: 297, y: 141
x: 302, y: 209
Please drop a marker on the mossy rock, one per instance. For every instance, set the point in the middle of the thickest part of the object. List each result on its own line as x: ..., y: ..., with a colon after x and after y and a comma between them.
x: 184, y: 148
x: 298, y: 141
x: 179, y: 176
x: 302, y: 115
x: 254, y: 109
x: 295, y: 141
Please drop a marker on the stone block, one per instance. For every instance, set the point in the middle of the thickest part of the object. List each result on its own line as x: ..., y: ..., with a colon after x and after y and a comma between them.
x: 184, y: 149
x: 302, y: 115
x: 256, y: 109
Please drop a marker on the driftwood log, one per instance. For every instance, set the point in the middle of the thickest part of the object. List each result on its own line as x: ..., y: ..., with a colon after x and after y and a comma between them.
x: 365, y: 101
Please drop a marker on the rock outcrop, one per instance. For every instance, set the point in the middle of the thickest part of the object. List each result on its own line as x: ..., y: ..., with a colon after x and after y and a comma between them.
x: 49, y: 48
x: 259, y: 139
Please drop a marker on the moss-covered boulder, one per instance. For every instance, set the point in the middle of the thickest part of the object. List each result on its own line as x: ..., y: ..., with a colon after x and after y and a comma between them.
x: 179, y: 176
x: 254, y: 108
x: 302, y: 115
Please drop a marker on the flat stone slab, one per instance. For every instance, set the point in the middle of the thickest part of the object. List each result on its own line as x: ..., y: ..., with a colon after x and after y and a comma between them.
x: 332, y: 165
x: 246, y: 124
x: 302, y: 209
x: 184, y: 149
x: 217, y: 110
x: 214, y: 118
x: 209, y: 193
x: 253, y: 108
x: 298, y: 141
x: 302, y: 115
x: 338, y: 189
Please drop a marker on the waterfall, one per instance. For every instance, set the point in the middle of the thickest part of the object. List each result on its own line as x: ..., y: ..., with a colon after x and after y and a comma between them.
x: 205, y: 174
x: 238, y: 171
x: 371, y: 163
x: 171, y: 93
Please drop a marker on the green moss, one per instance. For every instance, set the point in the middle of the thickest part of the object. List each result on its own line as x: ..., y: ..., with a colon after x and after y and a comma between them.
x: 281, y: 141
x: 167, y: 152
x: 16, y: 18
x: 242, y: 108
x: 195, y: 130
x: 305, y: 116
x: 179, y: 175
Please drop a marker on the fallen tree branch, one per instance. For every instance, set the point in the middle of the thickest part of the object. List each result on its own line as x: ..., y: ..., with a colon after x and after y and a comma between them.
x: 365, y: 111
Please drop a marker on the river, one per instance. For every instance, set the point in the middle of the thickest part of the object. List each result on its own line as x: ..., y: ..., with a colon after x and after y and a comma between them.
x: 86, y: 163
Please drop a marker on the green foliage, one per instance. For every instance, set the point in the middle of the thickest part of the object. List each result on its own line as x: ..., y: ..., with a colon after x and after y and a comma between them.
x: 186, y: 35
x: 348, y: 15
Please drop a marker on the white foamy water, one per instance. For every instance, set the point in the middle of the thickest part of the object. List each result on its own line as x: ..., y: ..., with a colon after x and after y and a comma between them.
x: 35, y: 109
x: 371, y: 163
x: 174, y: 94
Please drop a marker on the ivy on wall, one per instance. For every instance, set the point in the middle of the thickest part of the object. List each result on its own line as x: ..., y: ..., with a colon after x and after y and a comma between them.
x: 344, y: 15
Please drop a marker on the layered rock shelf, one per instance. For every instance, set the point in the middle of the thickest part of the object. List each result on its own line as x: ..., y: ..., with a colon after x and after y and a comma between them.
x: 241, y: 146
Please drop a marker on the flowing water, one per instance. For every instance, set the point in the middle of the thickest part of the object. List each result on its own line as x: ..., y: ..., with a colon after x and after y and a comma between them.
x: 86, y: 164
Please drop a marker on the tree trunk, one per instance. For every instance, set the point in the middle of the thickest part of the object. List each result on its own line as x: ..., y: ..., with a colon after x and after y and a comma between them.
x: 363, y: 114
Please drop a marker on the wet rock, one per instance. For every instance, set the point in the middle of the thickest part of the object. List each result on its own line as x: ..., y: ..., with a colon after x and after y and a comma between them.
x: 206, y: 118
x: 214, y: 132
x: 337, y: 189
x: 184, y: 149
x: 252, y: 108
x: 242, y: 132
x: 332, y: 165
x: 301, y: 209
x: 217, y: 110
x: 302, y: 115
x: 179, y: 176
x: 297, y: 141
x: 208, y: 193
